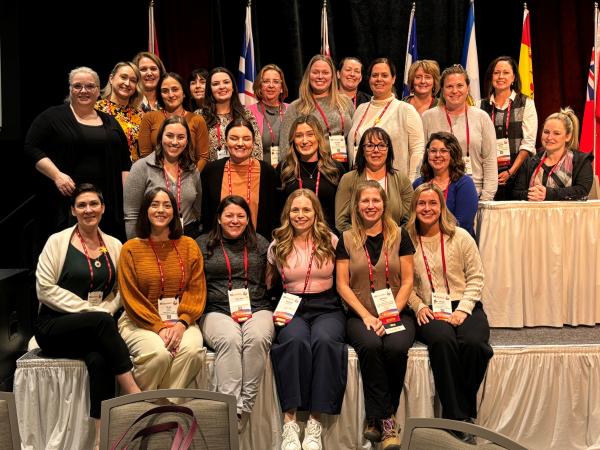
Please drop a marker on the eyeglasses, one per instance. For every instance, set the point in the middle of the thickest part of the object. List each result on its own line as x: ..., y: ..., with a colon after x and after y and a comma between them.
x: 78, y: 87
x: 440, y: 151
x: 82, y: 206
x: 382, y: 147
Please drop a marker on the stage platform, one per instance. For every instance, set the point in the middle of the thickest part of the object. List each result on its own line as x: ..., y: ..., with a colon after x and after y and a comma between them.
x: 542, y: 389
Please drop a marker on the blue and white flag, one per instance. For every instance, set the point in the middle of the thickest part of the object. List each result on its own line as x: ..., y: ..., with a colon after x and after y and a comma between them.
x: 247, y: 67
x: 411, y: 50
x: 469, y: 54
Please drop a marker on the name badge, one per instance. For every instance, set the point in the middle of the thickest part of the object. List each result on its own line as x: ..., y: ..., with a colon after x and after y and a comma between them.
x: 239, y: 304
x: 503, y: 151
x: 387, y: 310
x: 167, y: 310
x: 274, y: 155
x: 441, y: 305
x: 286, y: 308
x: 222, y: 153
x: 468, y: 166
x: 95, y: 298
x: 337, y: 145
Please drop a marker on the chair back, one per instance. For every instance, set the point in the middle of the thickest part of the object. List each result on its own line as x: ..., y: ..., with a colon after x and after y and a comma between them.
x: 9, y: 425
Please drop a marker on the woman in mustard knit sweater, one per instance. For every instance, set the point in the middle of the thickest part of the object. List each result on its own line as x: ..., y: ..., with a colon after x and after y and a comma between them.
x: 163, y: 290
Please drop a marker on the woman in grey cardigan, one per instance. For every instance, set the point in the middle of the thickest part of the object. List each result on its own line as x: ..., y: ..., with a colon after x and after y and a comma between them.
x: 374, y: 161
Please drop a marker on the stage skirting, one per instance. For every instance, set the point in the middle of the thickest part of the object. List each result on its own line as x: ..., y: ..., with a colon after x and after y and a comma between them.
x: 544, y: 397
x: 541, y: 262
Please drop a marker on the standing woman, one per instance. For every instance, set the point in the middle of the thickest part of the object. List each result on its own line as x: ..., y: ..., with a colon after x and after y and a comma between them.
x: 472, y: 128
x: 319, y: 97
x: 310, y: 357
x: 121, y: 98
x: 161, y: 280
x: 221, y: 106
x: 243, y: 175
x: 561, y: 171
x: 235, y: 259
x: 270, y: 90
x: 174, y: 99
x: 77, y: 290
x: 170, y: 166
x: 448, y: 268
x: 399, y: 119
x: 374, y: 255
x: 349, y: 75
x: 151, y: 69
x: 443, y: 166
x: 197, y: 83
x: 309, y: 164
x: 73, y: 143
x: 424, y: 82
x: 515, y: 120
x: 374, y: 161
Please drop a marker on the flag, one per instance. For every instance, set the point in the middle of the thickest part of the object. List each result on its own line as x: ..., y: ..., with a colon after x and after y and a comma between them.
x: 411, y: 49
x: 324, y: 31
x: 469, y: 55
x: 247, y: 66
x: 525, y: 62
x: 152, y: 39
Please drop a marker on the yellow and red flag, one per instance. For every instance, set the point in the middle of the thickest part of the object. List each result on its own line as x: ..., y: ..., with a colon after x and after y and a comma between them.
x: 525, y: 62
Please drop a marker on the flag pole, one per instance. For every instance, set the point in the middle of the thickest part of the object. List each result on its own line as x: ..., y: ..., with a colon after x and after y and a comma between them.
x: 595, y: 79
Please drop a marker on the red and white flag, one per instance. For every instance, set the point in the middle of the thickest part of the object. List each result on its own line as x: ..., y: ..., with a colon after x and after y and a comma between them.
x: 152, y: 39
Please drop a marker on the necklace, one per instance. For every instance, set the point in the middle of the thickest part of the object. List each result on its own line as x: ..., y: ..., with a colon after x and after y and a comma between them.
x: 97, y: 263
x: 310, y: 174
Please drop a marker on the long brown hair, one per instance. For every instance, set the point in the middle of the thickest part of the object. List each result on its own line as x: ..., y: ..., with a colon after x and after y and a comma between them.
x: 187, y: 158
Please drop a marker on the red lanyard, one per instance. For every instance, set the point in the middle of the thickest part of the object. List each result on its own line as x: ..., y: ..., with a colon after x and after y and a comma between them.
x: 162, y: 273
x: 387, y: 268
x: 507, y: 116
x: 264, y: 113
x: 249, y: 179
x: 325, y: 118
x: 228, y: 264
x: 316, y: 186
x: 537, y: 169
x: 168, y: 186
x: 375, y: 122
x: 443, y: 264
x: 218, y: 129
x: 466, y: 125
x: 310, y: 261
x: 87, y: 256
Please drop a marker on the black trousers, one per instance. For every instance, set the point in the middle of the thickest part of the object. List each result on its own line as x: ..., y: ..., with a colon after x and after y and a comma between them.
x: 382, y: 363
x: 459, y: 357
x: 310, y: 356
x: 93, y: 337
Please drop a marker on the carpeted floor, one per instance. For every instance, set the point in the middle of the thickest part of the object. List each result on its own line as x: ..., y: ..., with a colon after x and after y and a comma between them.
x: 546, y: 336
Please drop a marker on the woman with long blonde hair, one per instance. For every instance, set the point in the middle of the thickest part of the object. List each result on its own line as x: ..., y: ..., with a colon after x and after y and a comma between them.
x: 309, y: 354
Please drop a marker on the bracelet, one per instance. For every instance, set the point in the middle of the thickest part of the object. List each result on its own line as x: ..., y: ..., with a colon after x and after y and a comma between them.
x: 185, y: 324
x: 509, y: 174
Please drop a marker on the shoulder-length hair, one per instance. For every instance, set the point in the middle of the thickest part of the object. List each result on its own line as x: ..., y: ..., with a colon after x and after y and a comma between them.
x: 215, y: 236
x: 429, y: 66
x: 136, y: 98
x: 447, y: 221
x: 291, y: 166
x: 359, y: 230
x: 257, y: 86
x: 306, y: 102
x: 161, y: 67
x: 187, y: 158
x: 143, y: 225
x: 187, y: 103
x: 210, y: 104
x: 382, y: 135
x: 515, y: 86
x: 195, y: 74
x: 320, y: 232
x: 457, y: 163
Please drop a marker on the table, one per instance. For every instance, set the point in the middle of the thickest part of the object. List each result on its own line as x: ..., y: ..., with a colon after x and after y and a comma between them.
x: 540, y: 261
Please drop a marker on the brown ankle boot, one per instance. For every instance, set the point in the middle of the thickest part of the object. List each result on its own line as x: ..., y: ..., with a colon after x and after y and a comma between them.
x: 372, y: 431
x: 389, y: 435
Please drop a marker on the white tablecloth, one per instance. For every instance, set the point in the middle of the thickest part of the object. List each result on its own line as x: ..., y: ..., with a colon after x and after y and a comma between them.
x: 541, y: 262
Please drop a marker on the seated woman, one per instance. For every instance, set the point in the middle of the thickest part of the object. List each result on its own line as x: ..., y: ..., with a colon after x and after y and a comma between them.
x: 375, y: 260
x: 241, y: 174
x: 309, y: 356
x: 308, y: 164
x: 444, y: 166
x: 374, y: 161
x: 75, y: 282
x: 560, y: 172
x: 161, y: 279
x: 447, y: 301
x: 171, y: 166
x: 235, y: 260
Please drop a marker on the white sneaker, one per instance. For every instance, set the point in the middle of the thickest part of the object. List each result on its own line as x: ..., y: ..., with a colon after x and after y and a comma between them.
x: 290, y: 437
x: 312, y: 435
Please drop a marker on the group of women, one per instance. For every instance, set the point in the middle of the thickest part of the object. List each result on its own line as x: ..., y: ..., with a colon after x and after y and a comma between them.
x: 327, y: 179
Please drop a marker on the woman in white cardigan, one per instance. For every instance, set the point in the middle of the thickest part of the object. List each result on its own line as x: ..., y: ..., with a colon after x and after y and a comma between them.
x: 77, y: 289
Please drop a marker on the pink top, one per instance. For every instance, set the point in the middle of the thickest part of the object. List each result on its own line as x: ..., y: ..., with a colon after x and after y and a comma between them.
x: 321, y: 278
